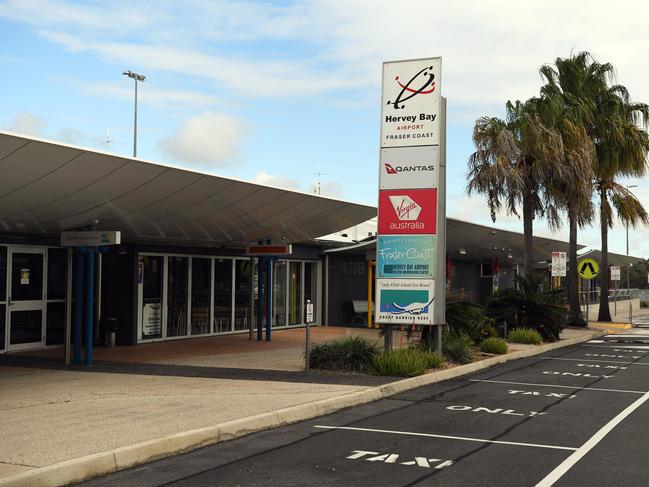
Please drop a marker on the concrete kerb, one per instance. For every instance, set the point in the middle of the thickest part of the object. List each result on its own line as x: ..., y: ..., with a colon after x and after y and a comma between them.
x: 103, y: 463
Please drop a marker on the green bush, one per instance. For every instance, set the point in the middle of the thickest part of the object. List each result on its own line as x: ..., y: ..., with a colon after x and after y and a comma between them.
x: 467, y: 317
x: 531, y: 306
x: 524, y: 335
x: 457, y: 347
x: 433, y: 359
x: 494, y: 345
x: 350, y: 353
x: 403, y: 362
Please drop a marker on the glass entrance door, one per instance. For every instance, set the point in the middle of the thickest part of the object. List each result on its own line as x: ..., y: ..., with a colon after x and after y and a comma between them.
x: 26, y: 299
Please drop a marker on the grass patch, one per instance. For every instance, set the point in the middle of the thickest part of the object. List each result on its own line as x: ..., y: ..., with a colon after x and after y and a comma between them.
x: 524, y: 335
x: 354, y: 354
x: 405, y: 362
x: 494, y: 345
x: 457, y: 347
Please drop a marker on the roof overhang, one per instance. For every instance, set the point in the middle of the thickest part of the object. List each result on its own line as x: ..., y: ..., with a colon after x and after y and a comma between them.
x: 47, y: 187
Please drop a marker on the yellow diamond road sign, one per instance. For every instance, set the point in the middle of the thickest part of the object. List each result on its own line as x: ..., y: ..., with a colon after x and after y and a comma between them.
x: 588, y: 269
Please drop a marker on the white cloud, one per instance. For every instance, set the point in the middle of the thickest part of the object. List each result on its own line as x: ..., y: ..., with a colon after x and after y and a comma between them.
x: 264, y: 178
x: 27, y: 123
x: 148, y: 94
x: 211, y: 139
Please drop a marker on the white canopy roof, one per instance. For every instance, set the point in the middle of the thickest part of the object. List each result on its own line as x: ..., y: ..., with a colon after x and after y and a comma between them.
x: 47, y: 187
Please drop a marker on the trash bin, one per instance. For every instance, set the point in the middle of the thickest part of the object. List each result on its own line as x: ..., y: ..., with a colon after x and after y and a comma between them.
x: 110, y: 332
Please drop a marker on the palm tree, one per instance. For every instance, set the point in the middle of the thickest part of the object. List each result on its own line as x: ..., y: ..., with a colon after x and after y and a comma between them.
x: 513, y: 160
x: 617, y: 128
x: 579, y: 155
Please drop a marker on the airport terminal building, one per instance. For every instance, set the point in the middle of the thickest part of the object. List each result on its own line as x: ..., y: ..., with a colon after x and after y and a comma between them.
x: 183, y: 266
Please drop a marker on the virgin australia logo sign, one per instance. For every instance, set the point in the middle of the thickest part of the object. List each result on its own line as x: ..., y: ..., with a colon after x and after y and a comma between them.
x: 405, y: 208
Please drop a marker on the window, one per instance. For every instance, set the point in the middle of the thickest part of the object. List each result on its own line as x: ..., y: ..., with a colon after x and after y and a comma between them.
x: 150, y: 275
x: 222, y: 295
x: 177, y: 290
x: 243, y: 281
x: 201, y: 293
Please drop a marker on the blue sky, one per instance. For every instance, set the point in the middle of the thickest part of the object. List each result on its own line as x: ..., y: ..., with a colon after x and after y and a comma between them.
x: 272, y: 91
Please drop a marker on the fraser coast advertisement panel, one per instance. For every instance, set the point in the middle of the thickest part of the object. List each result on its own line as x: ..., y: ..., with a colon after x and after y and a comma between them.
x: 406, y: 256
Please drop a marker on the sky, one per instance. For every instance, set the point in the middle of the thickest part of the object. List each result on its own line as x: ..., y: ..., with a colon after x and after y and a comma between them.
x: 277, y: 92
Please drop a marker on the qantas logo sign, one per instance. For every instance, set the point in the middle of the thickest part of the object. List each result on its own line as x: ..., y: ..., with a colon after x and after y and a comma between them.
x: 411, y: 168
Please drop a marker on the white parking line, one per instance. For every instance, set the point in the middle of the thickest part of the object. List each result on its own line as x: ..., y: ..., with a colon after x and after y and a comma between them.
x: 617, y: 345
x: 592, y: 360
x: 576, y: 388
x: 445, y: 437
x: 570, y: 462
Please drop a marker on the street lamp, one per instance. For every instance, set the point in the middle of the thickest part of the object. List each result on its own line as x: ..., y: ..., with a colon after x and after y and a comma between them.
x: 627, y: 223
x: 135, y: 77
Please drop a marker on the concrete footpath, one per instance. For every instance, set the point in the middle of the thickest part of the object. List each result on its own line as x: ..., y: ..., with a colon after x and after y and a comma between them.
x: 60, y: 426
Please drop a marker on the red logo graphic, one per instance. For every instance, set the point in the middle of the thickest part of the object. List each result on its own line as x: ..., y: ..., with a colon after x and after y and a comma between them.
x: 390, y: 169
x: 426, y: 87
x: 408, y: 211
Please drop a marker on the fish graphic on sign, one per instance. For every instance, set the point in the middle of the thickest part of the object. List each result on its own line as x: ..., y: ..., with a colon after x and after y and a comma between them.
x: 405, y: 301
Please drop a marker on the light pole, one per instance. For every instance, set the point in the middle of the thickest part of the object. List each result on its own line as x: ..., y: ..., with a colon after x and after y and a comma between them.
x: 627, y: 223
x: 136, y: 77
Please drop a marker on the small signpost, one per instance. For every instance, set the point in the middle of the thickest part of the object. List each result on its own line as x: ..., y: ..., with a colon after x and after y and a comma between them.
x: 309, y: 320
x: 616, y: 273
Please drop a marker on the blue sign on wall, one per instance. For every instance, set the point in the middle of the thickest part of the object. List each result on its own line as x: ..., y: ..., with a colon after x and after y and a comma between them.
x: 406, y: 256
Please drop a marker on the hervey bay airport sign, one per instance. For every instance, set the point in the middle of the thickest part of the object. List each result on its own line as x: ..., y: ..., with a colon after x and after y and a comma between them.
x: 409, y: 179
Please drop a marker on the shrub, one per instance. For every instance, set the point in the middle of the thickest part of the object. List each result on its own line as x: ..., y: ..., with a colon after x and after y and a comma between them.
x: 524, y: 335
x: 403, y: 362
x: 350, y: 353
x: 462, y: 316
x: 457, y: 347
x: 433, y: 359
x: 494, y: 345
x: 531, y: 306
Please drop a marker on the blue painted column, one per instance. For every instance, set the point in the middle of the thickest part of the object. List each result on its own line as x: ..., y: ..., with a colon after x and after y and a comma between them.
x: 260, y: 296
x: 269, y: 294
x: 77, y: 297
x: 90, y: 304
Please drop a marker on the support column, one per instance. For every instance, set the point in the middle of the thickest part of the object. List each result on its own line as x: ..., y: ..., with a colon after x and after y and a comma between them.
x: 78, y: 304
x: 269, y: 295
x: 90, y: 305
x: 260, y: 296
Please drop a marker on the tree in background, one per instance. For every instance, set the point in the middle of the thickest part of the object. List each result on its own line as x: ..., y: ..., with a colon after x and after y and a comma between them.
x: 515, y: 161
x: 565, y: 114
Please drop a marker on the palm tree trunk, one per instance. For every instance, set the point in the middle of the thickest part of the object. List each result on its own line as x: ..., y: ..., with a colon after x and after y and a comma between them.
x: 575, y: 318
x: 604, y: 311
x: 528, y: 235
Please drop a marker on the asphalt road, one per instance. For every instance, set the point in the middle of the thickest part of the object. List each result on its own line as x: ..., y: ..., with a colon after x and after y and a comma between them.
x: 578, y: 416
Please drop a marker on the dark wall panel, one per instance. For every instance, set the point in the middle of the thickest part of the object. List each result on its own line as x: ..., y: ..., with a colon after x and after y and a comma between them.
x: 118, y: 292
x: 347, y: 281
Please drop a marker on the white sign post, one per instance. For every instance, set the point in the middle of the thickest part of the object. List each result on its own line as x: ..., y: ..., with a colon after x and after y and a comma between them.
x: 309, y: 320
x: 559, y: 264
x: 412, y: 172
x: 616, y: 277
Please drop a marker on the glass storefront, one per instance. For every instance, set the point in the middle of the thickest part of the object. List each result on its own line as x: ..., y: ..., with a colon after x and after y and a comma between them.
x: 203, y: 295
x: 35, y: 279
x: 150, y: 276
x: 177, y: 295
x: 279, y: 293
x: 222, y: 295
x: 243, y: 283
